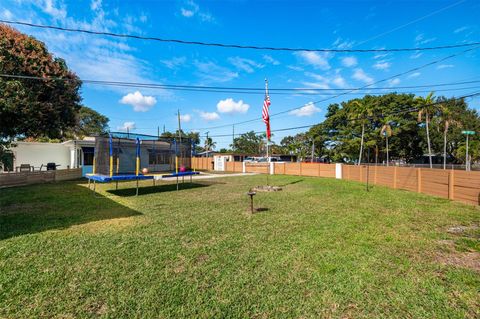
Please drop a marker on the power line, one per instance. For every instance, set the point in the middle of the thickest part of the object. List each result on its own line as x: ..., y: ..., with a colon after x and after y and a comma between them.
x: 235, y: 46
x: 223, y: 88
x: 406, y: 109
x: 249, y: 91
x: 360, y: 88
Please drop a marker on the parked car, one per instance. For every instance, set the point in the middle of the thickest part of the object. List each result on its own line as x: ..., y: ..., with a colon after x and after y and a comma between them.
x: 269, y: 159
x: 250, y: 159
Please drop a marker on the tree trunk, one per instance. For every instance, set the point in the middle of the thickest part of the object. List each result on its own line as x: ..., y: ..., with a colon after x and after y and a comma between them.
x: 361, y: 145
x: 445, y: 149
x: 388, y: 158
x: 428, y: 140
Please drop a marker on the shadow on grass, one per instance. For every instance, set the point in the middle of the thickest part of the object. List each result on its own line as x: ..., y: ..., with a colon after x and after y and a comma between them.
x: 54, y: 206
x: 145, y: 190
x: 291, y: 183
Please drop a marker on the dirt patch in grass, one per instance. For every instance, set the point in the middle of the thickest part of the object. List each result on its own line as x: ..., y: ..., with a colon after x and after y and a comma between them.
x: 463, y: 230
x: 470, y: 260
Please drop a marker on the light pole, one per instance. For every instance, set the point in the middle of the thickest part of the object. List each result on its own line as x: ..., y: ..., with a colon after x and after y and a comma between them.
x: 467, y: 158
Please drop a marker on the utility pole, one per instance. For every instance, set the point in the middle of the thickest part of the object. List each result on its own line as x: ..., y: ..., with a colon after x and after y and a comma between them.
x: 128, y: 132
x: 207, y: 144
x: 313, y: 149
x: 179, y: 127
x: 233, y: 137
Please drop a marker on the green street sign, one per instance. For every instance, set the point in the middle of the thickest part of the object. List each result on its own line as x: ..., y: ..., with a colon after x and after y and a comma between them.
x: 468, y: 132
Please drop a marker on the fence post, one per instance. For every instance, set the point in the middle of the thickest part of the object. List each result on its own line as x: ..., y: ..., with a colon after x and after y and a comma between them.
x: 272, y: 168
x: 300, y: 168
x: 375, y: 175
x: 318, y: 165
x: 451, y: 185
x: 394, y: 177
x: 338, y: 170
x: 419, y: 180
x: 243, y: 167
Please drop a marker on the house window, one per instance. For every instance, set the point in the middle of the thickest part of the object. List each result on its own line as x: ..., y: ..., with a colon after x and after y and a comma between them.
x: 158, y: 158
x: 88, y: 153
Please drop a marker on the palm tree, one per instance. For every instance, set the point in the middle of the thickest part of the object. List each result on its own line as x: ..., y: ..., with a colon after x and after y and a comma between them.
x: 448, y: 118
x: 427, y: 108
x: 360, y: 114
x: 387, y: 132
x: 209, y: 144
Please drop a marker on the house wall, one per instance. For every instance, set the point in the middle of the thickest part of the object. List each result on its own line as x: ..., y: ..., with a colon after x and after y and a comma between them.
x: 37, y: 154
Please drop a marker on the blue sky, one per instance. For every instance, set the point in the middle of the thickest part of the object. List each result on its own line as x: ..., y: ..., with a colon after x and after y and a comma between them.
x: 313, y: 24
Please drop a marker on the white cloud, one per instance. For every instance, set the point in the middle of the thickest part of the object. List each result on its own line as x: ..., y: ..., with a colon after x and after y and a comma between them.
x: 393, y: 82
x: 420, y: 39
x: 461, y: 29
x: 95, y: 4
x: 360, y: 75
x: 416, y: 55
x: 174, y: 62
x: 187, y: 13
x: 343, y: 44
x: 349, y: 61
x: 445, y: 66
x: 6, y: 14
x: 192, y: 9
x: 307, y: 110
x: 295, y: 68
x: 209, y: 116
x: 317, y: 60
x: 270, y: 60
x: 50, y: 7
x: 243, y: 64
x: 382, y: 65
x: 414, y: 75
x: 139, y: 102
x: 230, y: 106
x: 211, y: 72
x: 339, y: 81
x: 185, y: 118
x: 127, y: 126
x: 380, y: 56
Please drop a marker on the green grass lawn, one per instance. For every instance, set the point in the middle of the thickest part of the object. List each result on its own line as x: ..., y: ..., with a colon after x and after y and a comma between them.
x: 322, y: 248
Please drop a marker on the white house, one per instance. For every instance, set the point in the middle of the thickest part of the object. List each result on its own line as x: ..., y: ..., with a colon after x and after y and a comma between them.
x: 69, y: 154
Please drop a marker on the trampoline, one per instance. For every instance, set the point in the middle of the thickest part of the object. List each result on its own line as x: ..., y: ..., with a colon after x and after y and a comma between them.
x: 178, y: 175
x: 122, y: 157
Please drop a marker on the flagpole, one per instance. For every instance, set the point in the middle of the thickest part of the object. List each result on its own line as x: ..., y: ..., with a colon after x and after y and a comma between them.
x: 266, y: 93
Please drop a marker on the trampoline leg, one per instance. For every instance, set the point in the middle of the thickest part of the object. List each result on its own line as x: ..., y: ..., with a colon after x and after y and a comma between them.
x: 116, y: 185
x: 183, y: 179
x: 89, y: 183
x: 154, y: 181
x: 94, y: 184
x: 136, y: 194
x: 177, y: 183
x: 190, y: 179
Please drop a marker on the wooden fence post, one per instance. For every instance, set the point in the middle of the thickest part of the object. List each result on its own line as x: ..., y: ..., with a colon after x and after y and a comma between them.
x: 419, y: 180
x: 300, y: 168
x: 394, y: 177
x: 451, y: 185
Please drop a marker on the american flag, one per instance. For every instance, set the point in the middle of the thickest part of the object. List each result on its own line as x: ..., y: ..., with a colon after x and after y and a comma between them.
x: 265, y: 115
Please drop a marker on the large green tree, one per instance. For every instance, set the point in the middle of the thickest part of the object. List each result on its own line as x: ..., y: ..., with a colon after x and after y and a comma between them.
x: 31, y: 107
x: 248, y: 143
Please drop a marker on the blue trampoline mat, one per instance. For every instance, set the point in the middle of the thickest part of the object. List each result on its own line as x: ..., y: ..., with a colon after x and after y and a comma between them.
x: 180, y: 174
x: 106, y: 178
